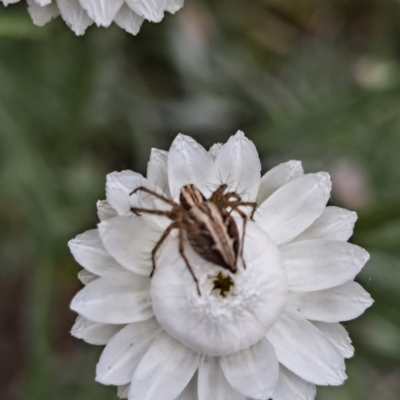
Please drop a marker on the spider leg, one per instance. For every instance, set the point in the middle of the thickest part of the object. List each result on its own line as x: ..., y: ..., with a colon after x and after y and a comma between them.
x: 251, y: 204
x: 232, y: 195
x: 218, y: 193
x: 182, y: 253
x: 137, y: 210
x: 153, y: 193
x: 159, y: 244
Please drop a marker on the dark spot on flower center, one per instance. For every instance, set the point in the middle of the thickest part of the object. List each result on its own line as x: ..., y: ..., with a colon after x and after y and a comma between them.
x: 223, y: 283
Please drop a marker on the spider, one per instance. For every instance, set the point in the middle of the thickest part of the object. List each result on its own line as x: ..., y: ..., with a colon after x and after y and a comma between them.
x: 208, y: 224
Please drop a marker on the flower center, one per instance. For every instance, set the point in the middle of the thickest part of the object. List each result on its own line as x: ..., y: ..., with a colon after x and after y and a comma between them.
x: 234, y: 310
x: 223, y: 283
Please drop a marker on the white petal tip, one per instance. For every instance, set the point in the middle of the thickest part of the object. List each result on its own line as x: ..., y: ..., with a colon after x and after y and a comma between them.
x: 240, y: 134
x: 295, y: 165
x: 364, y: 255
x: 157, y: 153
x: 352, y: 217
x: 180, y: 137
x: 324, y: 181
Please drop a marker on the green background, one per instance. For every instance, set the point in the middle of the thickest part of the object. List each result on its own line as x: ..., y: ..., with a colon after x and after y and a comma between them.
x: 313, y: 80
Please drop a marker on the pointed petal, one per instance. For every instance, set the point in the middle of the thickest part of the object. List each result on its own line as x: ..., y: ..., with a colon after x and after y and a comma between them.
x: 152, y: 10
x: 291, y: 386
x: 339, y: 337
x: 305, y: 350
x: 321, y: 264
x: 277, y: 177
x: 93, y: 332
x: 164, y: 371
x: 124, y: 352
x: 294, y: 207
x: 89, y: 252
x: 157, y: 170
x: 212, y: 382
x: 341, y: 303
x: 128, y: 20
x: 86, y: 277
x: 119, y: 299
x: 173, y: 6
x: 130, y: 240
x: 334, y: 224
x: 43, y: 3
x: 42, y: 15
x: 119, y: 186
x: 188, y: 162
x: 74, y: 15
x: 102, y: 11
x: 7, y: 2
x: 239, y: 166
x: 214, y: 150
x: 252, y: 371
x: 105, y: 211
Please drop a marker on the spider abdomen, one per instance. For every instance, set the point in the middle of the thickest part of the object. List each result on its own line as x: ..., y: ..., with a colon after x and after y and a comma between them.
x: 213, y: 234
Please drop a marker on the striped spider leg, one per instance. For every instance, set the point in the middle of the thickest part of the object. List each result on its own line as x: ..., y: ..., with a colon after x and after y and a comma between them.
x: 176, y: 215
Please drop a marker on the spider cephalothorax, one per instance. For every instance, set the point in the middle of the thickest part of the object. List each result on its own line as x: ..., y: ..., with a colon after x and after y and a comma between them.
x: 208, y: 223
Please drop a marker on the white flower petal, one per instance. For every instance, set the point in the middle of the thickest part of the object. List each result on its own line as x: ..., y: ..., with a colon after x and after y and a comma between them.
x: 189, y: 162
x: 74, y: 15
x: 7, y: 2
x: 43, y: 3
x: 128, y: 20
x: 305, y: 350
x: 93, y: 332
x: 294, y: 207
x: 291, y: 386
x: 102, y: 11
x: 130, y: 240
x: 124, y: 352
x: 238, y: 165
x: 341, y: 303
x: 89, y: 252
x: 120, y: 299
x: 86, y: 277
x: 157, y: 170
x: 253, y: 371
x: 212, y: 382
x: 152, y: 10
x: 119, y: 187
x: 105, y: 211
x: 321, y: 264
x: 334, y: 224
x: 277, y: 177
x: 214, y: 150
x: 164, y: 371
x: 339, y: 337
x: 173, y: 6
x: 42, y: 15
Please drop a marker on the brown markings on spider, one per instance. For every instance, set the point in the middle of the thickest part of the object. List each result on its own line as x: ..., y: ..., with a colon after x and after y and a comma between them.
x: 208, y: 224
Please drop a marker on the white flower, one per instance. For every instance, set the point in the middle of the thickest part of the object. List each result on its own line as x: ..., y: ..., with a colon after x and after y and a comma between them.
x: 80, y: 14
x: 274, y: 333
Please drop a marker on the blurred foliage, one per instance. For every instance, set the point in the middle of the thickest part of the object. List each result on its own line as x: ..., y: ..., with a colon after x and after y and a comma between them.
x: 315, y: 80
